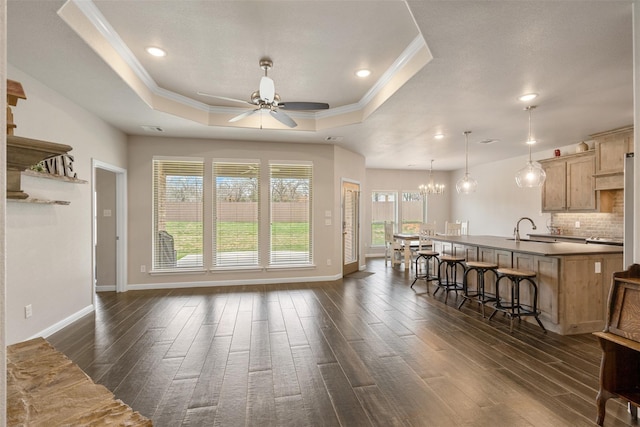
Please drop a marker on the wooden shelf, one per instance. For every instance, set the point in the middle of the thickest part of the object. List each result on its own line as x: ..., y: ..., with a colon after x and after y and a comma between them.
x: 54, y: 177
x: 40, y: 201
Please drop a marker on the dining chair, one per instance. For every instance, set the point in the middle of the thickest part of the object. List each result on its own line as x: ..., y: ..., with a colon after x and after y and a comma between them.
x: 452, y: 228
x: 392, y: 249
x: 425, y: 235
x: 464, y: 228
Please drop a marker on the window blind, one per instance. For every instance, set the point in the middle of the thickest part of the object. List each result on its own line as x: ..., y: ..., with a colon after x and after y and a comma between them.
x: 177, y: 214
x: 383, y: 208
x: 237, y: 213
x: 291, y: 198
x: 412, y: 212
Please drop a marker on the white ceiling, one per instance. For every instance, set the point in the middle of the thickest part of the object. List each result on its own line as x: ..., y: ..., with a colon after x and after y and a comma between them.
x: 438, y: 66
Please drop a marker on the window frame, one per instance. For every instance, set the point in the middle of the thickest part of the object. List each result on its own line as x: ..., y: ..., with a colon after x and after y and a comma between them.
x: 255, y: 261
x: 282, y: 261
x: 379, y: 224
x: 156, y: 266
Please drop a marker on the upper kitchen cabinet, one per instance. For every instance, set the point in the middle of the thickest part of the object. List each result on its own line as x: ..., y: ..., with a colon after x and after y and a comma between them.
x: 554, y: 190
x: 570, y: 185
x: 610, y: 149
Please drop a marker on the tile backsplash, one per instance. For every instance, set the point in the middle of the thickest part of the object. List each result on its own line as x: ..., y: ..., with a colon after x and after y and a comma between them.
x: 593, y: 224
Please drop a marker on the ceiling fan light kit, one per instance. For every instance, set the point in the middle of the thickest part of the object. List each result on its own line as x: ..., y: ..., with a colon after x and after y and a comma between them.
x: 532, y: 174
x: 266, y: 98
x: 466, y: 184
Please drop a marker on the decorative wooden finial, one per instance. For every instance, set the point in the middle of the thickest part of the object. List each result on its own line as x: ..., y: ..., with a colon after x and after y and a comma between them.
x: 14, y: 92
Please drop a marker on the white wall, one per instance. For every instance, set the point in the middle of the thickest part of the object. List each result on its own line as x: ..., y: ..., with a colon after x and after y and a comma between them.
x: 438, y: 206
x: 49, y: 260
x: 106, y: 233
x: 325, y: 242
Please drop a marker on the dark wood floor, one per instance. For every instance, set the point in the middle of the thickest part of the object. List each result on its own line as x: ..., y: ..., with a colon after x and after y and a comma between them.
x: 360, y: 351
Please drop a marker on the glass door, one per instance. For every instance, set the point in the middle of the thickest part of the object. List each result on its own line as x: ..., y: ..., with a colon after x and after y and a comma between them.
x: 350, y: 227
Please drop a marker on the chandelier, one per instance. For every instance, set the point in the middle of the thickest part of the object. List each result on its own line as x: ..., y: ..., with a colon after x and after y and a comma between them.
x: 431, y: 187
x: 466, y: 184
x: 532, y: 174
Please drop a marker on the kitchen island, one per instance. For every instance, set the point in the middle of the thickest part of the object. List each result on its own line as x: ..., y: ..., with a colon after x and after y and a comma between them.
x: 573, y: 278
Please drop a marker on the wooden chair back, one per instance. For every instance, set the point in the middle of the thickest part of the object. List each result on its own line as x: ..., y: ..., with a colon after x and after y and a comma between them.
x: 464, y: 228
x: 426, y: 233
x: 452, y: 228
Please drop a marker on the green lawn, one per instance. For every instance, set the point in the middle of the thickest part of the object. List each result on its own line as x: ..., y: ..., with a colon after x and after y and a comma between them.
x: 377, y: 231
x: 237, y: 236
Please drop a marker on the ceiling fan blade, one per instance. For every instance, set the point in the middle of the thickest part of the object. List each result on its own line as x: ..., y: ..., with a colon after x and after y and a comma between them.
x: 243, y: 115
x: 304, y: 105
x: 267, y: 89
x: 224, y: 98
x: 283, y: 118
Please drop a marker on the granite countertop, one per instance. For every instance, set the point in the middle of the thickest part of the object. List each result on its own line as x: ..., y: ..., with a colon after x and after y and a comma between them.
x: 536, y: 248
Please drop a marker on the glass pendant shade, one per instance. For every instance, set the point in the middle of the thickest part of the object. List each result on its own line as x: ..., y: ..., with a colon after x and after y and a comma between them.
x: 466, y: 184
x: 532, y: 174
x: 431, y: 187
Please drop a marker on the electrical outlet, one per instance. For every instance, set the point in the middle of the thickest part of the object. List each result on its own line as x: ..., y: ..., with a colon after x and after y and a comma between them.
x: 28, y: 311
x: 598, y: 267
x: 577, y: 224
x: 328, y: 261
x: 143, y: 268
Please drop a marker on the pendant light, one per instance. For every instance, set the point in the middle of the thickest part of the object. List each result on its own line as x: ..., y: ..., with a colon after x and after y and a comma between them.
x: 431, y: 187
x: 532, y: 174
x: 466, y: 184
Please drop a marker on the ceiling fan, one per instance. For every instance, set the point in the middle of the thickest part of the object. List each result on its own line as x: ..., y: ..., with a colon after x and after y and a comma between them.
x: 266, y: 98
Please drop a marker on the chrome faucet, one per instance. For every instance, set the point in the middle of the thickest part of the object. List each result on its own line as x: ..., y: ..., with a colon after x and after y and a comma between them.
x: 516, y: 231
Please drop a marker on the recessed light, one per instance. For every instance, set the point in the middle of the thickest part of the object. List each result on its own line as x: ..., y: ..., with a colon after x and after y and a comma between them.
x: 156, y: 51
x: 438, y: 136
x: 527, y: 97
x: 363, y: 73
x: 531, y: 141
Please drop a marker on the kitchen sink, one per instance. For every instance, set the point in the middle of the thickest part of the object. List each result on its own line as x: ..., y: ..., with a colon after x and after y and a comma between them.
x: 532, y: 240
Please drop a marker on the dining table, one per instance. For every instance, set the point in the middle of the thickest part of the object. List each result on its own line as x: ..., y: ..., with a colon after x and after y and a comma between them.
x: 405, y: 239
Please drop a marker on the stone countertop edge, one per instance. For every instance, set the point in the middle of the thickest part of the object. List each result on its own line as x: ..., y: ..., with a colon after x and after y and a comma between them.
x: 536, y: 248
x: 560, y: 236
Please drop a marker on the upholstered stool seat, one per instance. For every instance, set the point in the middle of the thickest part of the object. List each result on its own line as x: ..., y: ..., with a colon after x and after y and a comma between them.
x: 428, y: 256
x: 480, y: 294
x: 449, y: 280
x: 515, y: 307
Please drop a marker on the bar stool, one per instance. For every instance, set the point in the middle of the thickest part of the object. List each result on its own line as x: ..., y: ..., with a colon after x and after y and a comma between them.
x: 427, y: 255
x: 480, y: 295
x: 450, y: 283
x: 515, y: 308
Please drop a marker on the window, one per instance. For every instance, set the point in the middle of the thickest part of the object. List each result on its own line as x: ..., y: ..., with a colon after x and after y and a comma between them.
x: 237, y: 213
x: 177, y: 213
x: 383, y: 208
x: 291, y: 193
x: 412, y: 212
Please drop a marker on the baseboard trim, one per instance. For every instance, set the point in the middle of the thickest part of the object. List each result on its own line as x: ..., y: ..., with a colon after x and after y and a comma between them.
x: 64, y: 322
x: 106, y: 288
x: 215, y: 283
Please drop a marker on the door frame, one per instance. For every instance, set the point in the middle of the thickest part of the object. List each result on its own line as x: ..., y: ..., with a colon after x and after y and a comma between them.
x: 121, y: 223
x: 359, y: 220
